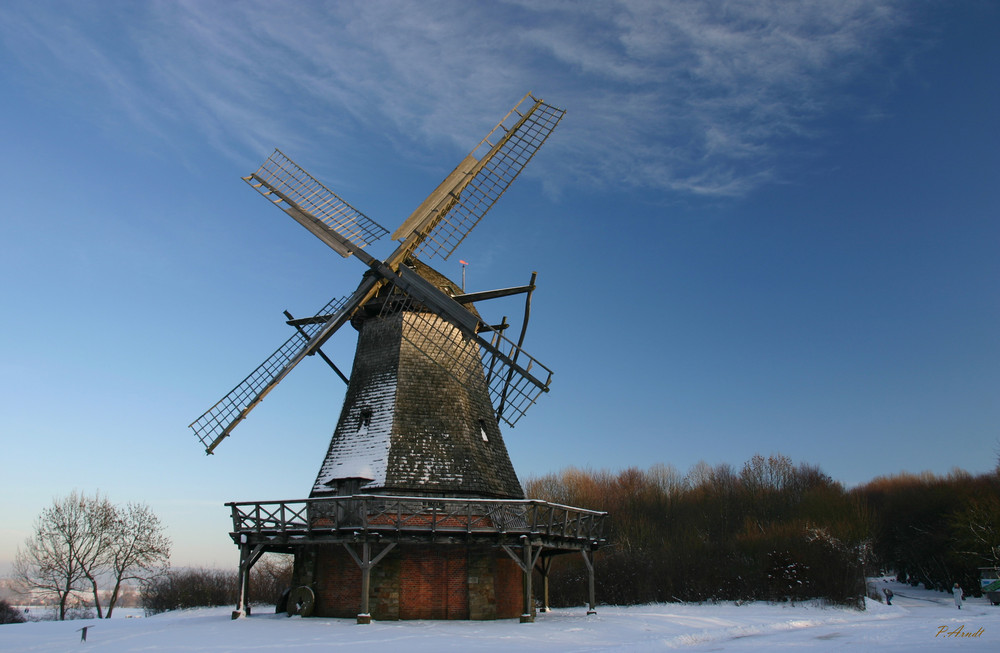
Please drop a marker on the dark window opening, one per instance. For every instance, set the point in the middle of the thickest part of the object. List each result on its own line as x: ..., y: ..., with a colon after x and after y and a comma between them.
x: 364, y: 419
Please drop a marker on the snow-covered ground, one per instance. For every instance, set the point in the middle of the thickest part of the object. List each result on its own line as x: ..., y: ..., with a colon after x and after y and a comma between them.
x: 917, y: 620
x: 44, y: 613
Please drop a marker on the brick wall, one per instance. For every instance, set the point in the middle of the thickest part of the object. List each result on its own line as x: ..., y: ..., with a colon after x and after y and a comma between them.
x: 510, y: 591
x: 416, y: 582
x: 433, y: 583
x: 337, y: 583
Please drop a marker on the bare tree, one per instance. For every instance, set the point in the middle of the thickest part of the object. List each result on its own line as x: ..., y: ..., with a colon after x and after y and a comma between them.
x: 138, y: 550
x: 667, y: 479
x: 79, y: 540
x: 977, y: 530
x: 92, y: 550
x: 49, y: 563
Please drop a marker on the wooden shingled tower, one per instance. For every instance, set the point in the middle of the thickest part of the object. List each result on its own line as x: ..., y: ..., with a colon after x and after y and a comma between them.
x: 416, y: 511
x: 411, y: 426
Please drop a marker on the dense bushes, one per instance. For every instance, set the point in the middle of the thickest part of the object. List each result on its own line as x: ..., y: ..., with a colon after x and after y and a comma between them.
x: 936, y: 530
x: 271, y: 576
x: 9, y: 614
x: 773, y: 531
x: 190, y: 588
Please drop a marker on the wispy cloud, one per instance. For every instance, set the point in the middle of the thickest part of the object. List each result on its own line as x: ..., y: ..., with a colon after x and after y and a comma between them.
x: 705, y: 97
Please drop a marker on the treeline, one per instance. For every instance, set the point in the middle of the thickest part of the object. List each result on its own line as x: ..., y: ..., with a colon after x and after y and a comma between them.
x: 772, y: 531
x: 936, y: 531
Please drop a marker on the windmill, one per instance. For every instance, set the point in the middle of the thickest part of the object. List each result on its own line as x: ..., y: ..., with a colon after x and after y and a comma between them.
x: 434, y: 229
x: 430, y: 384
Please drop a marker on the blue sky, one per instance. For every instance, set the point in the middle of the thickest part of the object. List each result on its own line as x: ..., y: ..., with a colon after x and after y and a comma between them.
x: 762, y: 227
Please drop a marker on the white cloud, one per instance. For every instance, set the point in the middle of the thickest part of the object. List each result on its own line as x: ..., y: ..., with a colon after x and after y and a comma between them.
x: 696, y: 96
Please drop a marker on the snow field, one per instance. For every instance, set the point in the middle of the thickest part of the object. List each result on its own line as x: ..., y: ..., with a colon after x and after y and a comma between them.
x: 912, y: 623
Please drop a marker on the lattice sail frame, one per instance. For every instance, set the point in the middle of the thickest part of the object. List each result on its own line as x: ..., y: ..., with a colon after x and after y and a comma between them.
x: 501, y: 155
x: 287, y: 181
x: 218, y: 420
x: 514, y: 378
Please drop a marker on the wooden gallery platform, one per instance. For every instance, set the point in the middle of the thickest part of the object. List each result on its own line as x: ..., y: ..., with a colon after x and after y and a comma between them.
x: 389, y: 557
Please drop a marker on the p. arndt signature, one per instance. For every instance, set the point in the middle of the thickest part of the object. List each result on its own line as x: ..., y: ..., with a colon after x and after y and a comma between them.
x: 960, y: 631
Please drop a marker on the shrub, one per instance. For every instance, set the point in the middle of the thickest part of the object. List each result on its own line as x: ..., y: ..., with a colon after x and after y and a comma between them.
x: 195, y: 588
x: 9, y: 614
x: 189, y: 588
x: 269, y: 578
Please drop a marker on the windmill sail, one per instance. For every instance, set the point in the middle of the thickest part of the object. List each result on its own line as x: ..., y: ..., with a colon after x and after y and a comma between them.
x: 461, y: 201
x: 216, y: 423
x: 285, y: 183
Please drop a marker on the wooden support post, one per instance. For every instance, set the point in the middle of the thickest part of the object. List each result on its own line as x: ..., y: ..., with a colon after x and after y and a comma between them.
x: 527, y: 563
x: 545, y: 566
x: 366, y: 562
x: 248, y: 557
x: 243, y: 579
x: 528, y: 614
x: 365, y: 615
x: 589, y: 561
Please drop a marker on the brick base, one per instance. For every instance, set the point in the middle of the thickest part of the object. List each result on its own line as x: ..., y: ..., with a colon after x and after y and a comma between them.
x: 414, y: 581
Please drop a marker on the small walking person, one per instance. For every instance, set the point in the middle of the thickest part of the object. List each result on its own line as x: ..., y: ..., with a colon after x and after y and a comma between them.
x: 888, y: 595
x: 957, y: 595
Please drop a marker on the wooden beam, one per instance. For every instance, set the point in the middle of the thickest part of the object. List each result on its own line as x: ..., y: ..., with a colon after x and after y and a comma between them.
x: 528, y: 616
x: 248, y: 558
x: 544, y: 568
x: 491, y: 294
x: 520, y: 342
x: 302, y: 321
x: 526, y: 561
x: 423, y: 217
x: 366, y: 562
x: 588, y: 560
x: 318, y: 350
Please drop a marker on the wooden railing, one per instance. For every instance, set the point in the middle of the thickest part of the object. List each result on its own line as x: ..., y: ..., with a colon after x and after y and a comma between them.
x: 418, y: 516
